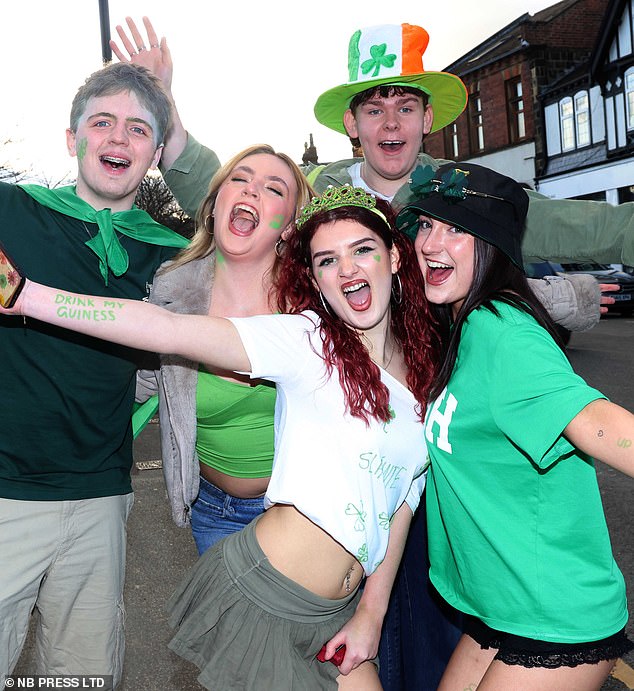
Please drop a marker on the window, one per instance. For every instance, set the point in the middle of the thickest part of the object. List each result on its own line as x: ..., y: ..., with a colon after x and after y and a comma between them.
x: 582, y: 118
x: 574, y: 118
x: 476, y: 128
x: 451, y: 141
x: 629, y: 97
x: 515, y: 105
x: 566, y: 117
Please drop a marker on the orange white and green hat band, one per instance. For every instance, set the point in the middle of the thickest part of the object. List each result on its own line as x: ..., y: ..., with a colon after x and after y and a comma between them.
x: 392, y: 54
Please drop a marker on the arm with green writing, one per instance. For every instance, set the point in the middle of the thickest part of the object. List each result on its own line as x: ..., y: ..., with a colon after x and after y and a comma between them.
x: 604, y: 431
x: 210, y: 340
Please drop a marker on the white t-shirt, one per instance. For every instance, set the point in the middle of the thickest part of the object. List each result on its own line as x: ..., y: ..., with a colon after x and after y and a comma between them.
x: 354, y: 171
x: 345, y: 476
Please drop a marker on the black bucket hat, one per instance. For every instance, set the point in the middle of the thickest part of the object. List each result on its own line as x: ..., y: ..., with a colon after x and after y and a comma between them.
x: 477, y: 199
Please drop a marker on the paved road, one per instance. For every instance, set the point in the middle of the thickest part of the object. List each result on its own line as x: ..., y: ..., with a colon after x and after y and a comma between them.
x: 159, y: 553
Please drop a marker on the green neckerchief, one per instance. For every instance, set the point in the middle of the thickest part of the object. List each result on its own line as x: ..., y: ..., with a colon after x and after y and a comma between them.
x: 142, y: 413
x: 135, y: 223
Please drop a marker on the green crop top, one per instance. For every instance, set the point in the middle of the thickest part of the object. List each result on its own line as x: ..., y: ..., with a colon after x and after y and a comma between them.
x: 235, y: 426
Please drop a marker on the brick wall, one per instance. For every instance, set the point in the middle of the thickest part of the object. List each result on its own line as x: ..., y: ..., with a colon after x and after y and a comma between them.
x: 558, y: 38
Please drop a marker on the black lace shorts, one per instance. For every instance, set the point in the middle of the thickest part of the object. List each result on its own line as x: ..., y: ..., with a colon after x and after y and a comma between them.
x: 528, y: 652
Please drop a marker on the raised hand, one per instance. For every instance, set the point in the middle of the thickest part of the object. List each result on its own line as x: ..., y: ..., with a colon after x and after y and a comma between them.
x: 152, y: 54
x: 156, y: 57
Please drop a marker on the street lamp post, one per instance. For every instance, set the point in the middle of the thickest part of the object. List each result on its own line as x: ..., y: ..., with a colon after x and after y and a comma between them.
x: 104, y: 20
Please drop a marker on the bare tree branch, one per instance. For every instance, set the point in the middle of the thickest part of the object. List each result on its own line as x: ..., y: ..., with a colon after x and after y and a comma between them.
x: 155, y: 197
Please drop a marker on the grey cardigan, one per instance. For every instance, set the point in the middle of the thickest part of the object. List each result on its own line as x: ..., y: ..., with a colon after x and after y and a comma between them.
x: 186, y: 290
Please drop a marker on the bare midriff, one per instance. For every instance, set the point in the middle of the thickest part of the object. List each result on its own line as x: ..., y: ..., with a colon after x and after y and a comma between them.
x: 306, y: 554
x: 241, y: 487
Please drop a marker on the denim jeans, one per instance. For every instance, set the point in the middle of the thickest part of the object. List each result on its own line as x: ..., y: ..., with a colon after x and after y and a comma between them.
x: 420, y: 630
x: 216, y: 514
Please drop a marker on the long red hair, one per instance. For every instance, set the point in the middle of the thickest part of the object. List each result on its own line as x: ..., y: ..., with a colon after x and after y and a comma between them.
x: 411, y: 322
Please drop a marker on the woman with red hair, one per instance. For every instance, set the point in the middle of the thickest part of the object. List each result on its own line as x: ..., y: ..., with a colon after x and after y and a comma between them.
x: 353, y: 363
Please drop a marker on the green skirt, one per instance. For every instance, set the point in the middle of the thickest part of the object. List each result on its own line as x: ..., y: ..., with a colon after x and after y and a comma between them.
x: 247, y: 626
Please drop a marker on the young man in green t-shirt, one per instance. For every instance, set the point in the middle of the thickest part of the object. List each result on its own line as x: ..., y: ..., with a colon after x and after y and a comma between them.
x: 66, y: 442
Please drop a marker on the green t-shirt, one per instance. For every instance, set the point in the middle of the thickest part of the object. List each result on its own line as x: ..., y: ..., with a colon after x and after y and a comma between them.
x: 517, y: 533
x: 66, y: 398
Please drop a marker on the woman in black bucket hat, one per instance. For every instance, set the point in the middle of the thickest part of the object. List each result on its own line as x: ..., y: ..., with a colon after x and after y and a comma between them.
x: 517, y: 534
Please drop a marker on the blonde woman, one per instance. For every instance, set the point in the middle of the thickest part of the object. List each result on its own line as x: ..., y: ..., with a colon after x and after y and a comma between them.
x: 217, y: 426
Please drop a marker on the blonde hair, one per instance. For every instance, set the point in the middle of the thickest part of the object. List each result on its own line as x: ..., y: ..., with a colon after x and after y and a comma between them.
x: 202, y: 243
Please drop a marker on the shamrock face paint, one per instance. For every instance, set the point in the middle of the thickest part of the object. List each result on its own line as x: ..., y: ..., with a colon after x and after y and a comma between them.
x: 82, y: 144
x: 277, y: 221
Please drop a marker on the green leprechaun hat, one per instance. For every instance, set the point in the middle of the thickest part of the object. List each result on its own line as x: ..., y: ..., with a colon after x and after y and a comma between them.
x: 392, y: 54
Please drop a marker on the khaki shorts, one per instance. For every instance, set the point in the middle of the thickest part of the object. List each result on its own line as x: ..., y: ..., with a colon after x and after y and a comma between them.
x: 66, y: 559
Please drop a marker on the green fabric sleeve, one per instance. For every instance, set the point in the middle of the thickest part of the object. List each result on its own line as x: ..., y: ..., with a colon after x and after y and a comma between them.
x: 190, y: 174
x: 563, y: 230
x: 533, y: 404
x: 312, y: 175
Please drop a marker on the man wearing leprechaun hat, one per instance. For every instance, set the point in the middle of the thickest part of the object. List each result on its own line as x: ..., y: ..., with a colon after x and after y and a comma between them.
x: 388, y: 105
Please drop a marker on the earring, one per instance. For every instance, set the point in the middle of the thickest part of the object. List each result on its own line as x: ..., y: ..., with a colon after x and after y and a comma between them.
x: 205, y: 224
x: 279, y: 248
x: 397, y: 289
x: 326, y: 306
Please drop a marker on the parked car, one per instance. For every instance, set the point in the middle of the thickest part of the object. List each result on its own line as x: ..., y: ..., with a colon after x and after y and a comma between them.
x: 623, y: 267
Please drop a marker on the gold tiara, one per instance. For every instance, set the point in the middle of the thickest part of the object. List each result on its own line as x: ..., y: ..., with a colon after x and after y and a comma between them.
x: 335, y: 197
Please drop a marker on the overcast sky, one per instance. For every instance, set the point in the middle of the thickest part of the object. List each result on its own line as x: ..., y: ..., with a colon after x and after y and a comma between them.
x: 245, y: 72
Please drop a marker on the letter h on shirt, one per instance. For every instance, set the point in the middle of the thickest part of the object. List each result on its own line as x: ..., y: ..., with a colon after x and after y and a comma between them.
x: 441, y: 420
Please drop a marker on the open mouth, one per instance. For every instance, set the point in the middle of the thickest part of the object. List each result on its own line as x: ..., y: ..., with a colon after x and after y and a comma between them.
x: 244, y: 218
x: 115, y: 162
x: 357, y: 294
x: 392, y: 146
x: 437, y: 272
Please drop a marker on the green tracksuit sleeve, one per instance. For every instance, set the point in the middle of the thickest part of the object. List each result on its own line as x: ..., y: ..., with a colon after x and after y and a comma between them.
x: 574, y: 230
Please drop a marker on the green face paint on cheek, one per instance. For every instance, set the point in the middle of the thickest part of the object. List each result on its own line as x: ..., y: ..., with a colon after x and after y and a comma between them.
x: 376, y: 257
x: 320, y: 273
x: 82, y: 145
x: 277, y: 221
